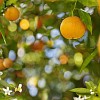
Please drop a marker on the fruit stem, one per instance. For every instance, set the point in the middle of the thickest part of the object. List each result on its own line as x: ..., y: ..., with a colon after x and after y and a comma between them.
x: 74, y: 7
x: 2, y: 33
x: 4, y: 38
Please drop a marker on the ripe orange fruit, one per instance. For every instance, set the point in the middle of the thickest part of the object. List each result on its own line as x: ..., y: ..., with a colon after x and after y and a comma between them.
x: 7, y: 63
x: 63, y: 59
x: 24, y: 24
x: 72, y: 28
x: 19, y: 74
x: 38, y: 46
x: 1, y: 65
x: 1, y: 2
x: 98, y: 2
x: 98, y: 46
x: 12, y: 13
x: 39, y: 24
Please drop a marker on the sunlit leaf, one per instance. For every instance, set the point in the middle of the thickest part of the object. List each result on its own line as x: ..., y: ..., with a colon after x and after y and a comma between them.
x: 88, y: 59
x: 86, y: 20
x: 98, y: 89
x: 90, y: 85
x: 89, y: 3
x: 4, y: 83
x: 80, y: 90
x: 9, y: 2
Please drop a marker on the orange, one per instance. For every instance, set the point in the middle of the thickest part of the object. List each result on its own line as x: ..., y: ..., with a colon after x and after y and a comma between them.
x: 19, y: 74
x: 7, y: 63
x: 98, y: 2
x: 1, y: 2
x: 39, y: 24
x: 98, y: 46
x: 24, y: 24
x: 63, y: 59
x: 1, y: 65
x: 12, y: 13
x: 38, y: 46
x: 72, y: 28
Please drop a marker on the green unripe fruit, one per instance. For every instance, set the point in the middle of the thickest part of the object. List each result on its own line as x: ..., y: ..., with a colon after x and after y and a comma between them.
x: 12, y: 27
x: 78, y: 58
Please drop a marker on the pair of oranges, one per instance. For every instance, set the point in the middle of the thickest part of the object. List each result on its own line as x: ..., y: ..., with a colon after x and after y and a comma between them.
x: 12, y: 14
x: 71, y: 27
x: 5, y: 63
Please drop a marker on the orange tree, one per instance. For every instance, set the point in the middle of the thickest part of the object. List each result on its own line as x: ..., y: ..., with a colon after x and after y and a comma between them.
x: 49, y: 49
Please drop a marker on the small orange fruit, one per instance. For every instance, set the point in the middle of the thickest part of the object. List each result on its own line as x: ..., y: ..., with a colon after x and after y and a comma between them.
x: 7, y: 63
x: 12, y: 13
x: 1, y: 65
x: 24, y: 24
x: 98, y: 2
x: 63, y: 59
x: 72, y: 28
x: 38, y: 46
x: 39, y: 24
x: 19, y: 74
x: 98, y: 46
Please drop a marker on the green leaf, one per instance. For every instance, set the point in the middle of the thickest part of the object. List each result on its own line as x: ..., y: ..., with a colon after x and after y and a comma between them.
x: 17, y: 66
x: 4, y: 21
x: 98, y: 89
x: 2, y: 95
x: 62, y: 6
x: 4, y: 83
x: 81, y: 90
x: 86, y: 18
x: 90, y: 85
x: 88, y: 59
x: 10, y: 2
x: 89, y: 3
x: 94, y: 98
x: 1, y: 7
x: 2, y: 33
